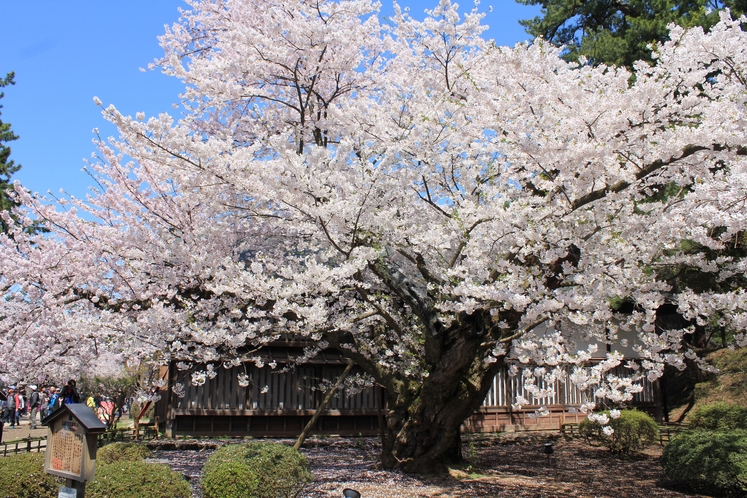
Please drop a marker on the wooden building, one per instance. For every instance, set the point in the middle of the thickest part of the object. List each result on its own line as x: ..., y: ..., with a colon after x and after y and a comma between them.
x: 275, y: 403
x: 279, y: 402
x: 496, y: 413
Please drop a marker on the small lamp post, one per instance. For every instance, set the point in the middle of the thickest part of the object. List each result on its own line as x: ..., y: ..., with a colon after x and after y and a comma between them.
x: 350, y: 493
x: 547, y: 449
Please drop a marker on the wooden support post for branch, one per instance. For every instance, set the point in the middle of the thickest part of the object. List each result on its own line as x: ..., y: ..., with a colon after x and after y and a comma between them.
x: 322, y: 406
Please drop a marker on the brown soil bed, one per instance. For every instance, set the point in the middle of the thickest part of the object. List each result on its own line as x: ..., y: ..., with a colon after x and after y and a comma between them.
x: 511, y: 465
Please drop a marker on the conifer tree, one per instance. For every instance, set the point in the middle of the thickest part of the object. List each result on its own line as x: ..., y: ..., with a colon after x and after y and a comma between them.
x: 619, y: 32
x: 7, y: 166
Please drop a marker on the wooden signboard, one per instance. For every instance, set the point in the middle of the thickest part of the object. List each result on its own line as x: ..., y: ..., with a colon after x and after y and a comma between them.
x: 66, y: 449
x: 72, y: 442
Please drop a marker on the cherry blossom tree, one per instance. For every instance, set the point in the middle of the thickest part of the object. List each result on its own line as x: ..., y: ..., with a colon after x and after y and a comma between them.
x: 428, y: 204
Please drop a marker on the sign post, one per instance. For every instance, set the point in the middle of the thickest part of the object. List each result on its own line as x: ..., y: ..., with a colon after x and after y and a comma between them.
x: 72, y: 440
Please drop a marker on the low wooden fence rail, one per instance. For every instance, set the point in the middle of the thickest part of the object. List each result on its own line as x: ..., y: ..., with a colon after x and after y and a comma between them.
x: 24, y: 445
x: 666, y: 432
x: 570, y: 430
x: 39, y: 443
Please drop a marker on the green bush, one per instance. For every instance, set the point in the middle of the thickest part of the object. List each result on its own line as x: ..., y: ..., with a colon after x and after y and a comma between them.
x: 709, y: 461
x: 634, y: 431
x: 122, y: 452
x: 718, y: 417
x: 135, y: 479
x: 260, y: 470
x: 23, y: 476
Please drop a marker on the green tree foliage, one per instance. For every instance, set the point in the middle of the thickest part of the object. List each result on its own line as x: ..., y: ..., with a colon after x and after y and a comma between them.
x: 7, y: 166
x: 616, y: 32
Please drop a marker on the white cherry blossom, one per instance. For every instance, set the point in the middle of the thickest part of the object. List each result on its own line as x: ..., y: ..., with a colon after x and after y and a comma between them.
x: 430, y: 205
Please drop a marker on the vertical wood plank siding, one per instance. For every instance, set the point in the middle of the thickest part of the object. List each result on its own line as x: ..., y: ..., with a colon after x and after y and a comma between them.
x: 279, y: 403
x: 270, y: 390
x: 505, y: 389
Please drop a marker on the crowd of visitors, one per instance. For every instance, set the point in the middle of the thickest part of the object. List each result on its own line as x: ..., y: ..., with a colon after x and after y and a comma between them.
x: 17, y: 402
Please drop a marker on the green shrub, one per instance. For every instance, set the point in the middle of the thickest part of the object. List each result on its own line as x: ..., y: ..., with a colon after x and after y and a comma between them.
x: 135, y: 479
x: 23, y: 476
x: 718, y: 417
x: 122, y: 452
x: 709, y: 461
x: 261, y: 470
x: 634, y: 431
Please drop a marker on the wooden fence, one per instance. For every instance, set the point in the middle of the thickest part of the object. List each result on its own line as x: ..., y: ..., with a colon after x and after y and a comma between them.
x: 39, y: 443
x: 24, y: 445
x: 666, y: 432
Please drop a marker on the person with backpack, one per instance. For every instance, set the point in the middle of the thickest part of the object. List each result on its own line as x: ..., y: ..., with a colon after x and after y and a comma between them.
x: 34, y: 405
x: 54, y: 400
x: 10, y: 407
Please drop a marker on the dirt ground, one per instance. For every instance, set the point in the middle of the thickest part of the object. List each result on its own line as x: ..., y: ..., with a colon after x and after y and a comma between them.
x: 22, y: 430
x: 511, y: 465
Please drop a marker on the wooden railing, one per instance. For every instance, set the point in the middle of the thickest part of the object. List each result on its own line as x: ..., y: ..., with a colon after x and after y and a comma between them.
x: 147, y: 432
x: 570, y: 430
x: 39, y: 443
x: 666, y: 432
x: 23, y: 445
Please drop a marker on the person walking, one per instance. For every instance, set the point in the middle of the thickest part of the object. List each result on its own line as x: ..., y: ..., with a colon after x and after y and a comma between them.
x: 34, y: 405
x: 44, y: 410
x: 10, y: 407
x: 20, y: 405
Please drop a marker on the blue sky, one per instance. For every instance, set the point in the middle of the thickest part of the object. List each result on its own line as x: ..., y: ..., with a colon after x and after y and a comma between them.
x: 66, y: 52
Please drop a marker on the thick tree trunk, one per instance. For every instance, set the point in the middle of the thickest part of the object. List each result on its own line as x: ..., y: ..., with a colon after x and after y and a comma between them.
x: 418, y: 449
x: 424, y: 415
x: 422, y: 432
x: 425, y: 437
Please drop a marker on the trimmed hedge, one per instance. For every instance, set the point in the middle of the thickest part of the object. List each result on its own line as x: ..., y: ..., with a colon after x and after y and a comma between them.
x: 23, y: 476
x: 135, y: 479
x: 634, y: 431
x: 122, y: 452
x: 709, y: 461
x: 260, y: 470
x: 718, y: 416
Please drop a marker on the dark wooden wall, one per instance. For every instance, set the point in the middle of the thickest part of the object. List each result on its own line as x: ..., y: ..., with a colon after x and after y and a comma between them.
x: 279, y: 403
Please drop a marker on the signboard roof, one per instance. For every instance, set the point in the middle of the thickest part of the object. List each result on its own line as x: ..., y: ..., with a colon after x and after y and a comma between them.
x: 84, y: 414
